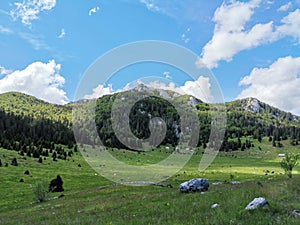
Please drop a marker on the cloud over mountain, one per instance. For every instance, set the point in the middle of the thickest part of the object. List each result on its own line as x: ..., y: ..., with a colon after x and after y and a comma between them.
x: 39, y: 79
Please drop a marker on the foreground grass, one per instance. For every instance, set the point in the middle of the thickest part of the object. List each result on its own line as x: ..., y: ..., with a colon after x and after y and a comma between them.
x: 91, y: 199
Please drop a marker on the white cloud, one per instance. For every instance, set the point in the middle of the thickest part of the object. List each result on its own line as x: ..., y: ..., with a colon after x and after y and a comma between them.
x: 232, y: 17
x: 62, y: 33
x: 230, y: 36
x: 36, y: 42
x: 200, y: 88
x: 150, y: 5
x: 99, y: 91
x: 28, y: 10
x: 41, y: 80
x: 167, y: 75
x: 278, y: 85
x: 285, y: 7
x: 93, y: 10
x: 4, y: 12
x: 4, y: 71
x: 5, y: 30
x: 185, y: 38
x: 290, y: 26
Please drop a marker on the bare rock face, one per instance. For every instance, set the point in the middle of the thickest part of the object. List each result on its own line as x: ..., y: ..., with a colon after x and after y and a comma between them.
x: 257, y: 202
x: 196, y: 184
x: 253, y: 105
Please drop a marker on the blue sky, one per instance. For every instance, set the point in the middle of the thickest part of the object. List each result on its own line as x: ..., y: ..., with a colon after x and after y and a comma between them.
x: 252, y: 47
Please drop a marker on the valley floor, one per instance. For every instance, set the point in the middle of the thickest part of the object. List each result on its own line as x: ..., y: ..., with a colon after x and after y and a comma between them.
x: 91, y: 199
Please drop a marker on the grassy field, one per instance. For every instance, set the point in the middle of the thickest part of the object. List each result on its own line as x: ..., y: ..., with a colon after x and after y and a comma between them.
x: 91, y: 199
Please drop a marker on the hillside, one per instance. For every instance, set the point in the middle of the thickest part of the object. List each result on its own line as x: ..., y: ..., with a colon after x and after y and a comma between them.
x: 31, y: 126
x: 48, y: 123
x: 25, y: 105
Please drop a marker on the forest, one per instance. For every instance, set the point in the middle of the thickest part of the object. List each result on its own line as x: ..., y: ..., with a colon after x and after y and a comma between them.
x: 40, y: 130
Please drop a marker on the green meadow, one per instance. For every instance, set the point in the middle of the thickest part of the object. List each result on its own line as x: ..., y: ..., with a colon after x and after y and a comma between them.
x: 91, y: 199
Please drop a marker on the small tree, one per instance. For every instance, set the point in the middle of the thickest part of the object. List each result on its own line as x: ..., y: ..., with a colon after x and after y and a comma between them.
x: 56, y: 185
x: 289, y: 162
x: 14, y: 162
x: 40, y: 191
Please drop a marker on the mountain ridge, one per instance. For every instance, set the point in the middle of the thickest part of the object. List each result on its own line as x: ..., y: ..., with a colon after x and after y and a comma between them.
x: 26, y: 119
x: 253, y: 105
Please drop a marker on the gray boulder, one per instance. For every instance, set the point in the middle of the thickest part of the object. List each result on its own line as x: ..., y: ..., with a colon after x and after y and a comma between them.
x: 296, y: 212
x: 257, y: 202
x: 196, y: 184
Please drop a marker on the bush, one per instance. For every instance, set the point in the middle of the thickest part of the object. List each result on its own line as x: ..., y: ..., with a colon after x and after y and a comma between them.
x: 40, y: 191
x: 289, y: 162
x: 56, y: 185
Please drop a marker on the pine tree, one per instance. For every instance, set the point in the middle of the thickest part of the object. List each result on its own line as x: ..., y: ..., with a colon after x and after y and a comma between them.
x: 56, y: 185
x: 14, y: 162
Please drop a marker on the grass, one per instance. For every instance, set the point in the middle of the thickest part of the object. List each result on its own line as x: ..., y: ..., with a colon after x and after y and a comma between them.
x: 91, y: 199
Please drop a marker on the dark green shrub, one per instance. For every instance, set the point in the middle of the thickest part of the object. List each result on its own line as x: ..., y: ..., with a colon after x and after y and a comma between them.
x: 56, y: 185
x: 14, y: 162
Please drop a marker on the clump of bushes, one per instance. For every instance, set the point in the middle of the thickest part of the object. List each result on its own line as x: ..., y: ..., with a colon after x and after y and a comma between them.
x: 42, y: 189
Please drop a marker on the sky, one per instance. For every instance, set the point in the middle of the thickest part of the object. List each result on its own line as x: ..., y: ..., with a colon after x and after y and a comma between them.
x: 252, y: 47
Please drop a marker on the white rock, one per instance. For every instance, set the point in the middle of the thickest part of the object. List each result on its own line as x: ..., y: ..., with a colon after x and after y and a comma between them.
x: 215, y: 205
x: 257, y: 202
x: 235, y: 182
x: 217, y: 183
x: 296, y: 212
x: 196, y: 184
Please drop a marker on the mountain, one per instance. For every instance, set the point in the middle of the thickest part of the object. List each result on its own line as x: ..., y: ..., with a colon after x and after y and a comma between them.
x: 263, y: 111
x: 26, y: 120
